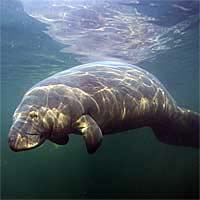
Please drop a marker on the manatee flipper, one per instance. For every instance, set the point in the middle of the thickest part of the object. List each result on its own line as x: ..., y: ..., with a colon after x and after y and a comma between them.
x: 91, y: 132
x: 61, y: 140
x: 182, y: 128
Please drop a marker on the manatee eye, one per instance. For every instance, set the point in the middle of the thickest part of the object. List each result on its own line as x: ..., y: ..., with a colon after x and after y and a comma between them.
x: 33, y: 115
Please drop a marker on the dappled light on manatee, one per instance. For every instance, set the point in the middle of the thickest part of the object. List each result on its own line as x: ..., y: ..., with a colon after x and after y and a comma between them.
x: 131, y: 98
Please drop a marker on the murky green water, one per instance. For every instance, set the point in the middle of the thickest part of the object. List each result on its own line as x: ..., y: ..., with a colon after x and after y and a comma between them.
x: 128, y: 165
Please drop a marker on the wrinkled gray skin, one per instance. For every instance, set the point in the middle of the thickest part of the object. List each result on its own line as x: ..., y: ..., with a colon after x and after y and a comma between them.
x: 97, y: 99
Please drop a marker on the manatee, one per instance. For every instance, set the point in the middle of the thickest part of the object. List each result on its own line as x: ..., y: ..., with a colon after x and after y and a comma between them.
x: 96, y: 99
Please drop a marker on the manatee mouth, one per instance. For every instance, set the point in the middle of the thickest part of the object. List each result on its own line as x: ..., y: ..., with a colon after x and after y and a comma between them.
x: 21, y: 142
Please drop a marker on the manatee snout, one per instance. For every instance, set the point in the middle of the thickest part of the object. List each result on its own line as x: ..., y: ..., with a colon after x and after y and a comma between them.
x: 20, y: 140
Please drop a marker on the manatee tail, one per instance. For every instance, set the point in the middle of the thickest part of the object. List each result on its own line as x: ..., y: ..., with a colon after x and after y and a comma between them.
x: 182, y: 128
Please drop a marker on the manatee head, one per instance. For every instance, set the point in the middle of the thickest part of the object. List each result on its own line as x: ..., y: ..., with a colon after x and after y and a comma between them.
x: 34, y: 122
x: 27, y: 130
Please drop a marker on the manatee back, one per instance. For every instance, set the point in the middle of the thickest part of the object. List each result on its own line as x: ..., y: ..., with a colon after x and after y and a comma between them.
x: 111, y: 80
x: 105, y: 74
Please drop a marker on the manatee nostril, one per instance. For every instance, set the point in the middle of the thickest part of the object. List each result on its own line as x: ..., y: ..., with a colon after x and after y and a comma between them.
x: 13, y: 140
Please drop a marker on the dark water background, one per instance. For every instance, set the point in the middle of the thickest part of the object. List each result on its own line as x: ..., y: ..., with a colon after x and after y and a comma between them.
x: 128, y: 165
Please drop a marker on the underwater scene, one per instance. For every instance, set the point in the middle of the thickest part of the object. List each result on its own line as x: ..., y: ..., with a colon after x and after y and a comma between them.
x: 40, y: 38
